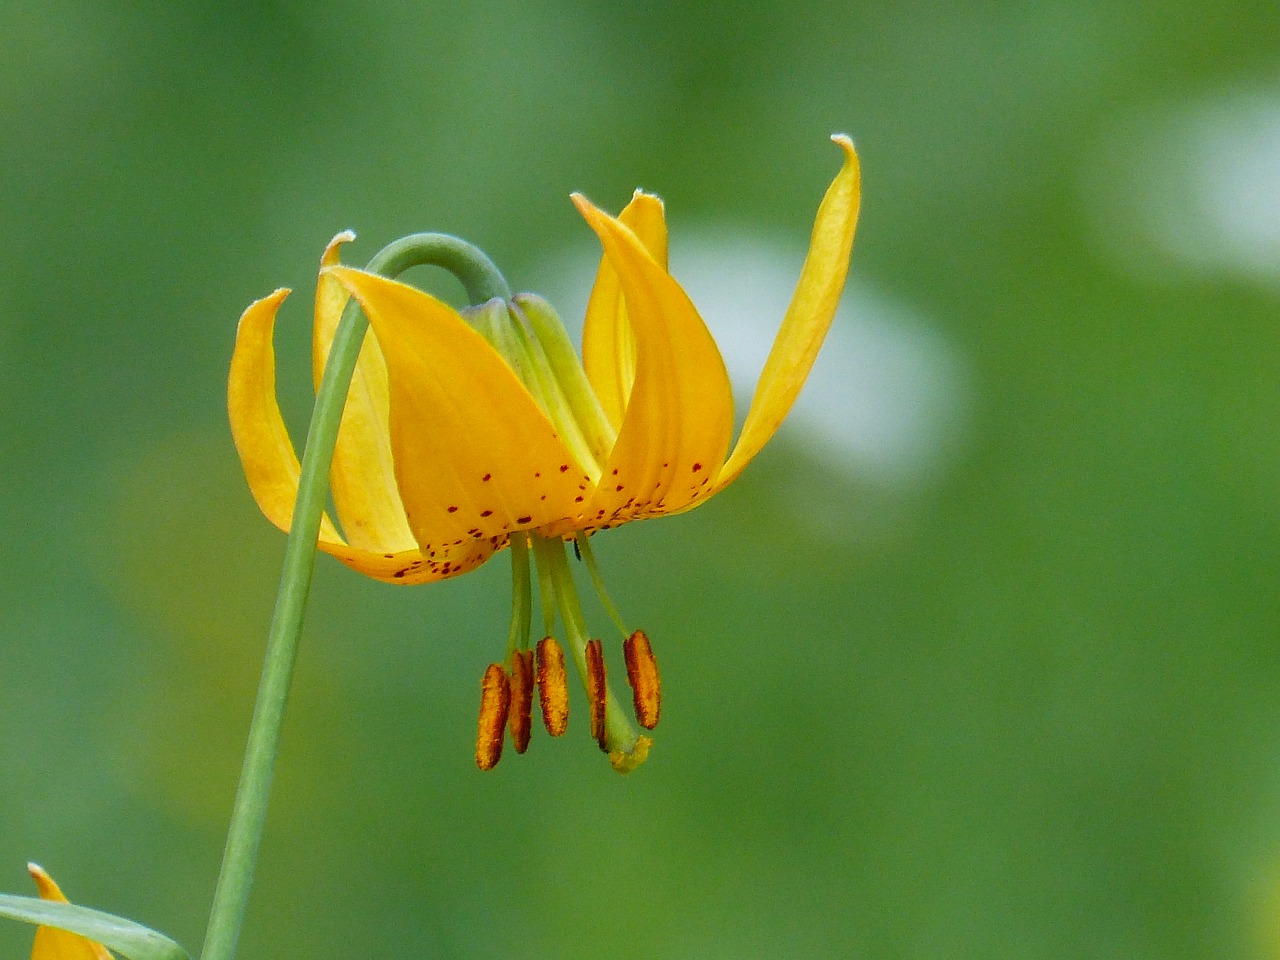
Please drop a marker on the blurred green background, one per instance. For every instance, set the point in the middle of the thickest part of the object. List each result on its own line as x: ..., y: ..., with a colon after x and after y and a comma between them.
x: 978, y: 660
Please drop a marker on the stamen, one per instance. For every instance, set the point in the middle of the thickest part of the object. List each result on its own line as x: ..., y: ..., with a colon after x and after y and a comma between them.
x: 611, y: 727
x: 521, y: 698
x: 553, y: 686
x: 597, y: 692
x: 642, y: 674
x: 495, y: 701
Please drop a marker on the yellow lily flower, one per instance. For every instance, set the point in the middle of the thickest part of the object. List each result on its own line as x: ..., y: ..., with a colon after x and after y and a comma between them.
x: 52, y: 943
x: 465, y: 432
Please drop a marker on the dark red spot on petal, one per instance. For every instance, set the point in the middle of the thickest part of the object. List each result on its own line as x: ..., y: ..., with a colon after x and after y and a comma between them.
x: 453, y: 509
x: 564, y: 468
x: 697, y: 467
x: 578, y: 499
x: 486, y: 513
x: 487, y: 477
x: 523, y: 519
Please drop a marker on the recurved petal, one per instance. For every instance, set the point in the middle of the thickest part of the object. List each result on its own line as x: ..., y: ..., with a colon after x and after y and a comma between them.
x: 608, y: 344
x: 679, y: 418
x: 415, y: 566
x: 362, y: 477
x: 266, y: 452
x: 52, y: 943
x: 813, y: 306
x: 475, y: 457
x: 267, y: 455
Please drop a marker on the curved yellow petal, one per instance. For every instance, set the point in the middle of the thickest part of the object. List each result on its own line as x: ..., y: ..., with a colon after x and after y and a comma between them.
x: 362, y: 478
x: 417, y: 566
x: 475, y: 457
x: 52, y: 943
x: 813, y: 306
x: 679, y: 419
x: 267, y: 454
x: 608, y: 344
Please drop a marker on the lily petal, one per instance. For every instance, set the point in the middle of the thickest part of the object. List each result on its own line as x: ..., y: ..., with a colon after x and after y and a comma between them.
x: 813, y: 306
x: 266, y: 452
x: 362, y: 477
x: 608, y: 343
x: 475, y: 457
x: 679, y: 419
x: 270, y: 463
x: 52, y: 943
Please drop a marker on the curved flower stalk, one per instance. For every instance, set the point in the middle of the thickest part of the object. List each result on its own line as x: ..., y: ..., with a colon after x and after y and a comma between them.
x: 466, y: 432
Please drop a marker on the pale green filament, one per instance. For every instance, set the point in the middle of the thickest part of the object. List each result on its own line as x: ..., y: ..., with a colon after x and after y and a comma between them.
x: 553, y: 566
x: 583, y: 542
x: 521, y: 596
x: 548, y: 597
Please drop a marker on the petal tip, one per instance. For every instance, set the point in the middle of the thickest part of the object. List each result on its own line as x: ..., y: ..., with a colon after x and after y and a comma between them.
x: 589, y: 211
x: 271, y: 301
x: 45, y: 884
x: 845, y: 143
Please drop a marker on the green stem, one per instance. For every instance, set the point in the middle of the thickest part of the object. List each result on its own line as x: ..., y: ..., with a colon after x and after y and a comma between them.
x: 553, y: 565
x: 244, y: 835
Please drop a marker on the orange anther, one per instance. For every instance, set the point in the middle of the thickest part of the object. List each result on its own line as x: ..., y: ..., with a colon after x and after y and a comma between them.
x: 642, y: 674
x: 521, y: 698
x: 597, y: 692
x: 553, y: 688
x: 495, y: 701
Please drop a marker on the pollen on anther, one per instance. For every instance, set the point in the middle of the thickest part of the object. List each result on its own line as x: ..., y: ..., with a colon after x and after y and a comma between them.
x: 642, y: 674
x: 521, y: 698
x: 553, y: 687
x: 495, y: 702
x: 597, y: 692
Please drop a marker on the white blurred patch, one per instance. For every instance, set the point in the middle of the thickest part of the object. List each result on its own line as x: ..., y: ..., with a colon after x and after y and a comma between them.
x: 1193, y: 190
x: 887, y: 396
